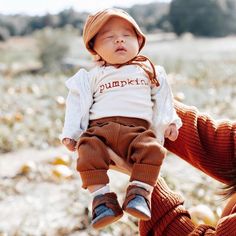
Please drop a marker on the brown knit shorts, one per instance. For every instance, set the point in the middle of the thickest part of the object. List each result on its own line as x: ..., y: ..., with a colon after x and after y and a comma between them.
x: 130, y: 138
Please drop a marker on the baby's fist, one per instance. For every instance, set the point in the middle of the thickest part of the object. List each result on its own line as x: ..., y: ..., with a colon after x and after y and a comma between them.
x: 172, y: 132
x: 69, y: 143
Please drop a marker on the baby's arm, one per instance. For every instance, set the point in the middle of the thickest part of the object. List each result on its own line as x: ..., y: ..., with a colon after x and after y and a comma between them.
x: 71, y: 129
x: 165, y: 119
x: 78, y: 101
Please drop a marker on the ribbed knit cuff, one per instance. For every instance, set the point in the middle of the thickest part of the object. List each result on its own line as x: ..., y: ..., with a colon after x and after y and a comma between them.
x: 226, y: 225
x: 145, y: 173
x: 170, y: 218
x: 202, y: 142
x: 181, y: 225
x: 94, y: 177
x: 166, y: 206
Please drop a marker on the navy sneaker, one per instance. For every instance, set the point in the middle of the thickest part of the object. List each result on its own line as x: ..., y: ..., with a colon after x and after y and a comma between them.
x: 137, y: 202
x: 106, y: 210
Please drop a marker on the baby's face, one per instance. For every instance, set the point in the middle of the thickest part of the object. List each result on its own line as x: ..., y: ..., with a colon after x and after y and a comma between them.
x: 117, y: 41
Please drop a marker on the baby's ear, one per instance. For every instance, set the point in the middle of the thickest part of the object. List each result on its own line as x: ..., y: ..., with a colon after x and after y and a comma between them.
x: 140, y: 41
x: 98, y: 60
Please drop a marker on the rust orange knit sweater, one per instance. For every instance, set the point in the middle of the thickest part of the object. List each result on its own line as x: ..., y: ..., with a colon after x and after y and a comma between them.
x: 208, y: 146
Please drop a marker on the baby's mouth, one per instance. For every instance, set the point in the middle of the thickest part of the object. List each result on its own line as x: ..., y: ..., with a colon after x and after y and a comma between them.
x: 121, y: 49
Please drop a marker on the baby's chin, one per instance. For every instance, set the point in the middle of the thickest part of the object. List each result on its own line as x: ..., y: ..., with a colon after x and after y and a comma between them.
x: 119, y: 62
x: 119, y: 58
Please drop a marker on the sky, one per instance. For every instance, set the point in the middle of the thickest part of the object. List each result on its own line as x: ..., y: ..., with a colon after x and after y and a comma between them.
x: 41, y: 7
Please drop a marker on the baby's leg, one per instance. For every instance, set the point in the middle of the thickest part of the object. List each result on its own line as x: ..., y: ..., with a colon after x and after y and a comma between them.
x: 95, y: 188
x: 147, y: 156
x: 106, y: 208
x: 92, y: 164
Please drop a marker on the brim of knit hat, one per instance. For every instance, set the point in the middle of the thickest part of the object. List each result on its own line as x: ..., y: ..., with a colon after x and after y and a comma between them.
x: 95, y: 22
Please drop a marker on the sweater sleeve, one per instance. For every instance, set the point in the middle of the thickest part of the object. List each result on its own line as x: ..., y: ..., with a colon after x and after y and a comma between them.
x: 206, y: 144
x: 170, y: 218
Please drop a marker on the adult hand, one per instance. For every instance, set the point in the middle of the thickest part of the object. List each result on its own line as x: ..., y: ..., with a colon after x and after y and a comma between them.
x: 230, y: 206
x: 120, y: 164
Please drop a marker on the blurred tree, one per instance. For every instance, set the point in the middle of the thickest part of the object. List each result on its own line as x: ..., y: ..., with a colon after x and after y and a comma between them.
x: 202, y: 17
x: 50, y: 20
x: 230, y: 12
x: 148, y: 17
x: 35, y: 23
x: 73, y: 18
x: 53, y: 47
x: 15, y: 24
x: 4, y: 34
x: 164, y: 24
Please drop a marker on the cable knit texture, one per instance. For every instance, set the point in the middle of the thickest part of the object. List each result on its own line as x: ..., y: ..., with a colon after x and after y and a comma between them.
x: 208, y: 146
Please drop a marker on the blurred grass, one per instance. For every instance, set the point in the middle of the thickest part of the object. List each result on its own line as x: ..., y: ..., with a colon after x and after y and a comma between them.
x: 32, y: 111
x: 18, y: 50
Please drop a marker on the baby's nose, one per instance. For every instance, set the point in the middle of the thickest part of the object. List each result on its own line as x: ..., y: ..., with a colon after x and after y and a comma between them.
x: 120, y: 40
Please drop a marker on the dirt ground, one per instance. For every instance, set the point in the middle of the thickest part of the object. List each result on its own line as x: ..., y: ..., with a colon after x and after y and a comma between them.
x: 39, y: 202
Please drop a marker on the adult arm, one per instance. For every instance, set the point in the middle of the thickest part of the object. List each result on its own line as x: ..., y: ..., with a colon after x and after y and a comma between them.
x: 170, y: 218
x: 206, y: 144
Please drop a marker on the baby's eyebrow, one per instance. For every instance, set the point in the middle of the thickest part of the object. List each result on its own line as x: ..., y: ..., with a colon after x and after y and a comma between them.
x: 104, y: 32
x: 129, y: 29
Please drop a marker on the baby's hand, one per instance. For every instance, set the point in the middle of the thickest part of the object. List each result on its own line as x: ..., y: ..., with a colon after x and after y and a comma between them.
x: 69, y: 143
x: 172, y: 132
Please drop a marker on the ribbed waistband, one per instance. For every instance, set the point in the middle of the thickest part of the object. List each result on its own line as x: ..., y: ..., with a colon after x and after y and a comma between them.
x: 129, y: 121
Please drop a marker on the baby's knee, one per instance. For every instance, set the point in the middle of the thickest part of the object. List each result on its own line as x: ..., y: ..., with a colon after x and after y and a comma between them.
x: 158, y: 154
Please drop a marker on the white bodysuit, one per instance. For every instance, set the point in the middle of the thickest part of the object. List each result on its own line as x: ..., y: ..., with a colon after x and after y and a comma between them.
x: 126, y: 91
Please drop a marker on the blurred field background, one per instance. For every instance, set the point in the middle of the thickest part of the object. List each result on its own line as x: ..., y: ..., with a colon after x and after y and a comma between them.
x: 40, y: 191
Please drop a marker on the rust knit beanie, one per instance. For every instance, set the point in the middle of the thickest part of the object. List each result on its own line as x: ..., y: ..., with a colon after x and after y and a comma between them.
x: 95, y: 22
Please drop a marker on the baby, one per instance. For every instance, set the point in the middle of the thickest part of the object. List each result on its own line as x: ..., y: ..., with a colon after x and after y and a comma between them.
x: 125, y: 104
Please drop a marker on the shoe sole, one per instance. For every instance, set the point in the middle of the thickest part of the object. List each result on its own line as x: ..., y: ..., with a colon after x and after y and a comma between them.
x: 106, y: 221
x: 137, y: 214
